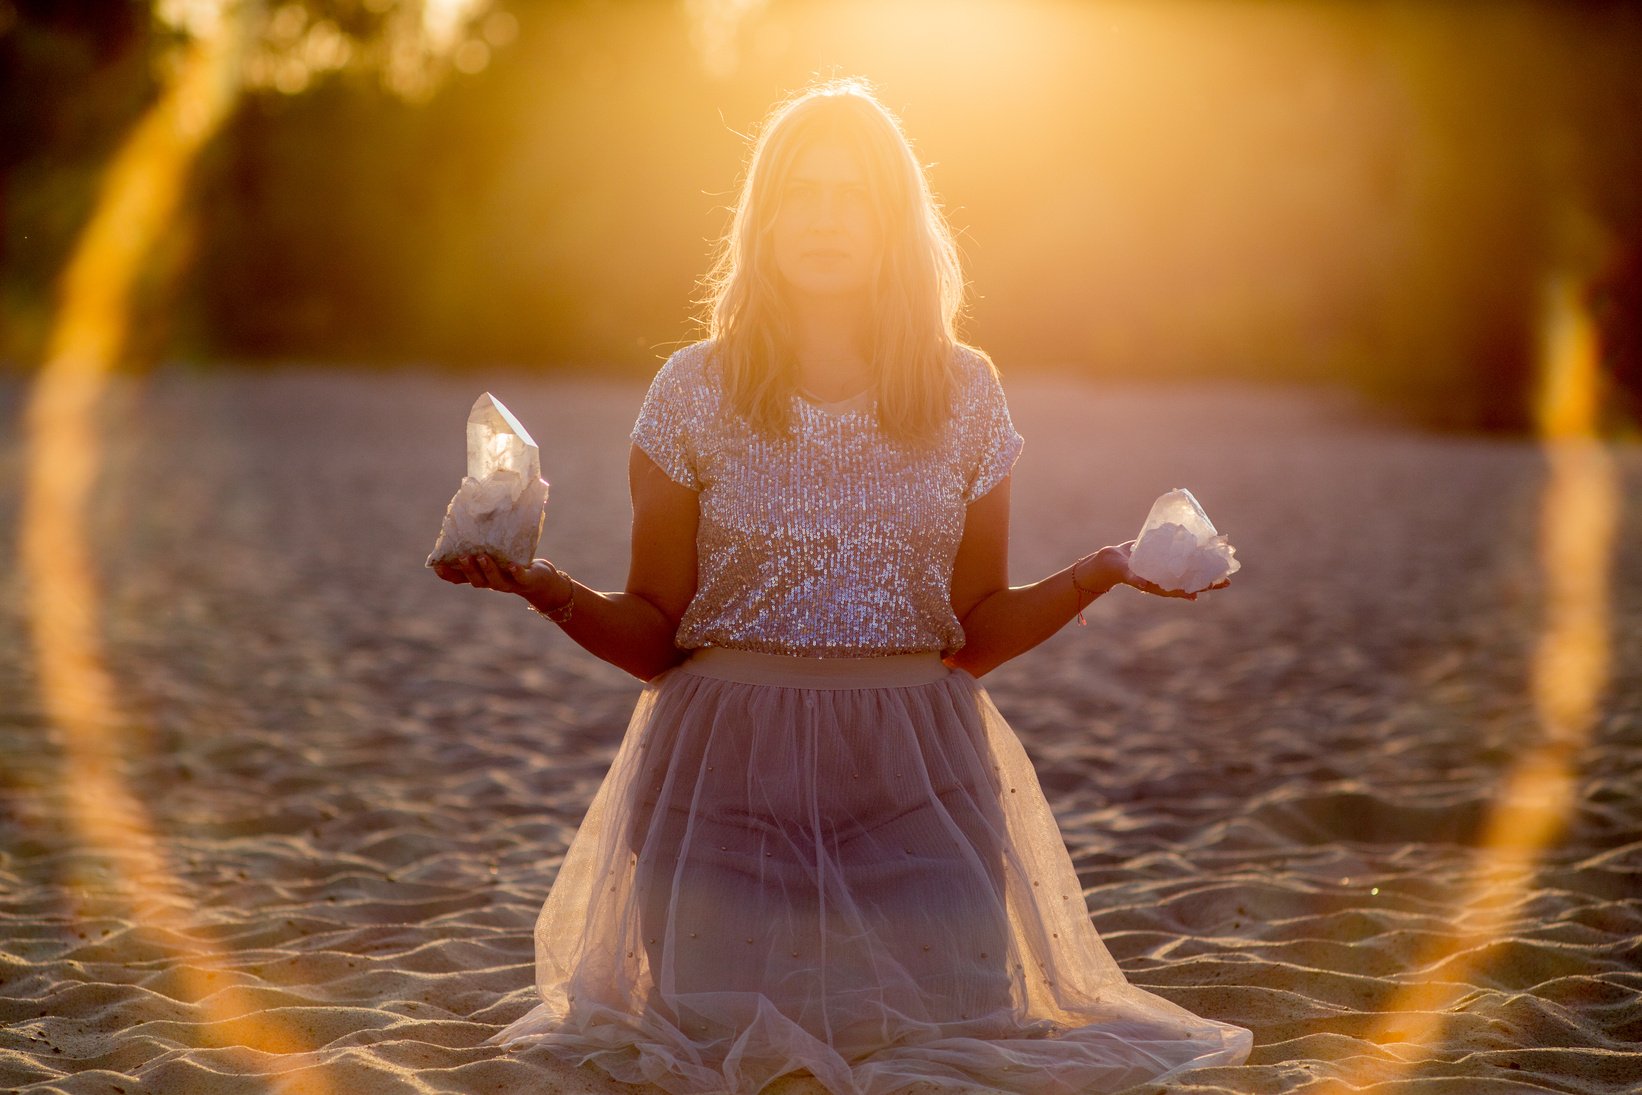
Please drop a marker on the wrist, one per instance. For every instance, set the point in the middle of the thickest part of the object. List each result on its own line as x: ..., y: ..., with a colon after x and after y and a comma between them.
x: 1093, y: 575
x: 556, y: 596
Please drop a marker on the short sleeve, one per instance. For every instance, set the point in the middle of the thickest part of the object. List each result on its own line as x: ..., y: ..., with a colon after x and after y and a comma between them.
x: 993, y: 443
x: 669, y: 419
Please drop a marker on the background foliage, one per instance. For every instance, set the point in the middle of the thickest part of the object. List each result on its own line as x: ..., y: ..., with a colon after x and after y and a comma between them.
x: 1372, y: 193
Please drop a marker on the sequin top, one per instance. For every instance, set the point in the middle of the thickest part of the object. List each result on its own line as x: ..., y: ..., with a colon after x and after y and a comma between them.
x: 832, y: 540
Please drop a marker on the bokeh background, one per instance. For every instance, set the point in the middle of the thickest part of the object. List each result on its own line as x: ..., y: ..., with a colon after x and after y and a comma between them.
x: 1373, y: 194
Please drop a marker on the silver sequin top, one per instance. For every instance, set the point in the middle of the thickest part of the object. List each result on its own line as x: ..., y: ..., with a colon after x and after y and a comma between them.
x: 833, y: 540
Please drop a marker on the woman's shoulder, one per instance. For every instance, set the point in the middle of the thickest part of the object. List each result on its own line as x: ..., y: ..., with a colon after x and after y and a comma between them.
x: 680, y: 405
x: 689, y: 375
x: 987, y: 440
x: 688, y: 364
x: 973, y: 372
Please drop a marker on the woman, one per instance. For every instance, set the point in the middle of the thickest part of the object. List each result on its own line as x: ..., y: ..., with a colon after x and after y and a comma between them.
x: 820, y: 848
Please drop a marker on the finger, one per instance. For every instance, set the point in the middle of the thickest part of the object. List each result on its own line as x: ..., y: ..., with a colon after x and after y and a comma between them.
x: 471, y: 572
x: 516, y: 576
x: 1158, y: 591
x: 492, y: 570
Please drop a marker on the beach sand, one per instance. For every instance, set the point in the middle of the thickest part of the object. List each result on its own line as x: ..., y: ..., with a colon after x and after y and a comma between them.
x: 355, y: 782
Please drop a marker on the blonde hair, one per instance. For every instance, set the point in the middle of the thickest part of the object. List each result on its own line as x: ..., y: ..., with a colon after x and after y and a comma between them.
x: 919, y: 289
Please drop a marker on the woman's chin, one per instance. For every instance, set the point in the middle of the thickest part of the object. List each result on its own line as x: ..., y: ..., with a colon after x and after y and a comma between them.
x: 827, y: 288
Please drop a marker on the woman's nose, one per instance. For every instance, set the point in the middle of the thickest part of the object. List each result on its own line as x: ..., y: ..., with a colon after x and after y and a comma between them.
x: 828, y: 209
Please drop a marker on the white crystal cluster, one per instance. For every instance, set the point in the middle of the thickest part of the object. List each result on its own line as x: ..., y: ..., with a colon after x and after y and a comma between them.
x: 1178, y: 548
x: 502, y: 503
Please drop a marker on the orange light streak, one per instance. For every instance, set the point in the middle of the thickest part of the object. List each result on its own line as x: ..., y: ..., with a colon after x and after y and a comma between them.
x: 1578, y: 522
x: 139, y: 201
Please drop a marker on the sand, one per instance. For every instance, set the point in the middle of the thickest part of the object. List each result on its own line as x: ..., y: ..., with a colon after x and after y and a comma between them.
x: 356, y: 782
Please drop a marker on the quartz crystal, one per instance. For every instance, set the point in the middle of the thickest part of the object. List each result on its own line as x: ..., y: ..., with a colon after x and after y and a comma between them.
x: 1178, y: 548
x: 501, y: 505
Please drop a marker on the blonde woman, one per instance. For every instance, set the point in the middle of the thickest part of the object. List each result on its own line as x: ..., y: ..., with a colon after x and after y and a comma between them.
x: 820, y: 848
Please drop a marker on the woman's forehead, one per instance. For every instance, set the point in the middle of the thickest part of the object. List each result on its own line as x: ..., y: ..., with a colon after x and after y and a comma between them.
x: 827, y: 160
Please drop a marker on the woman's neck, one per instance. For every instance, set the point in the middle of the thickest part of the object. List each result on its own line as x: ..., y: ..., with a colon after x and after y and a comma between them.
x: 828, y: 339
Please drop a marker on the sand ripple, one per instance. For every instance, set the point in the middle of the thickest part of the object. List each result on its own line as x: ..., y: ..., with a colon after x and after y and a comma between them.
x: 361, y: 781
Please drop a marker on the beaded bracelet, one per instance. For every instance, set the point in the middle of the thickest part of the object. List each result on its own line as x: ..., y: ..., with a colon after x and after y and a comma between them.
x: 1082, y: 604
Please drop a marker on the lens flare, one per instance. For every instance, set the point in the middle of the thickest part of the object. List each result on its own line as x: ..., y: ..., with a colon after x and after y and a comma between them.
x: 1578, y: 521
x: 715, y: 26
x: 138, y: 203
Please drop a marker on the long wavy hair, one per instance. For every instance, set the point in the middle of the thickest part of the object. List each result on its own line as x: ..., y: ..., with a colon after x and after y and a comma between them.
x: 919, y: 290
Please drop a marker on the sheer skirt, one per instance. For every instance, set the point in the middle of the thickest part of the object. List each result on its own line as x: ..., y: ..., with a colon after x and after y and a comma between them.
x: 843, y: 867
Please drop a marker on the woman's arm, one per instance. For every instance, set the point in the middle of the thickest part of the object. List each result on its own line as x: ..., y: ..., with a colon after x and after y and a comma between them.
x: 1001, y: 621
x: 632, y: 630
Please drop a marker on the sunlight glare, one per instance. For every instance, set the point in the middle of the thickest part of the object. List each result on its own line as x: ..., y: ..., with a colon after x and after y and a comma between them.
x: 141, y: 195
x: 445, y: 21
x: 715, y: 27
x: 1578, y: 523
x: 1581, y: 517
x: 196, y: 18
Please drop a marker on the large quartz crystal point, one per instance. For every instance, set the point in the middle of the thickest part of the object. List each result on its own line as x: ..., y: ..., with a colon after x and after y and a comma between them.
x: 1178, y: 548
x: 502, y: 503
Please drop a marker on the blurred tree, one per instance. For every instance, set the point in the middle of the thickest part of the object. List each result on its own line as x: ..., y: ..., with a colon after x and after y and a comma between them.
x: 1617, y: 306
x: 1524, y: 156
x: 1368, y: 194
x: 550, y: 207
x: 74, y: 74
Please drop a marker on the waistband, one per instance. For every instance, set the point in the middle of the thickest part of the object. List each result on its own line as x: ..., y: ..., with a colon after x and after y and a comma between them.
x: 787, y: 671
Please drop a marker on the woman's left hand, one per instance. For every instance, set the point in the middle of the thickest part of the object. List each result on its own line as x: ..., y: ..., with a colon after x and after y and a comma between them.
x: 489, y: 572
x: 1109, y: 567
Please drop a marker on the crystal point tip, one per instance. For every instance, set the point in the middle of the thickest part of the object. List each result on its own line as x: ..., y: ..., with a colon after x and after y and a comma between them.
x: 487, y: 405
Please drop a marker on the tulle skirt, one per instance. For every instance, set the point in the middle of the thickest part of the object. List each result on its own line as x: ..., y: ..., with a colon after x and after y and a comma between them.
x: 840, y: 867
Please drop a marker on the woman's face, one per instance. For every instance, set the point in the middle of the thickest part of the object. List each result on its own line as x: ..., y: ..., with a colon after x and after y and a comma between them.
x: 826, y: 239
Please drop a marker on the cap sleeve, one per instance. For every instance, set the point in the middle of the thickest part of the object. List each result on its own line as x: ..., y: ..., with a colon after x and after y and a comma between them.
x: 993, y: 443
x: 668, y: 421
